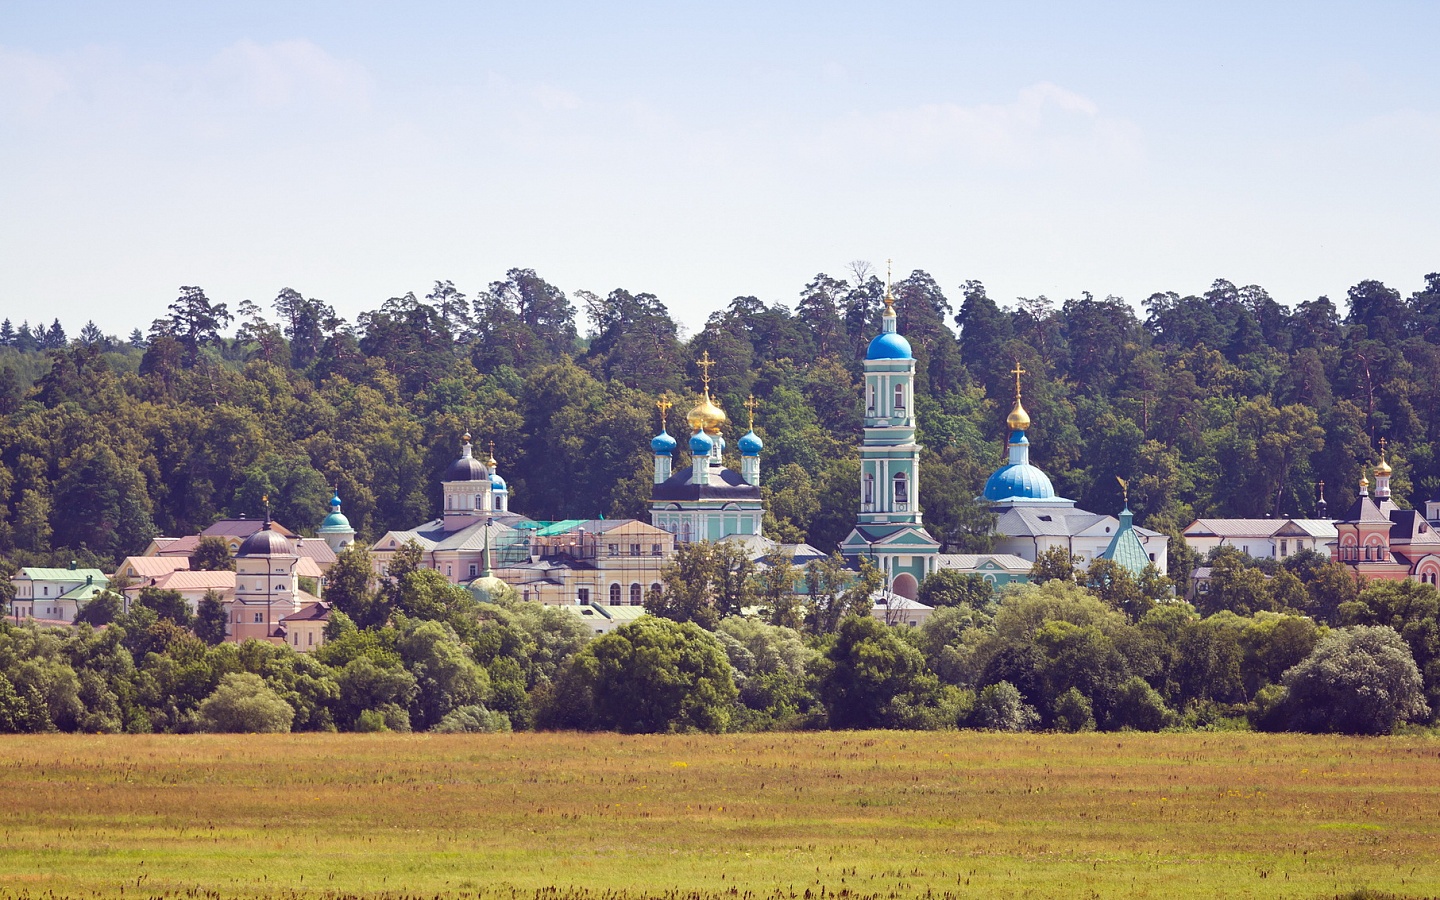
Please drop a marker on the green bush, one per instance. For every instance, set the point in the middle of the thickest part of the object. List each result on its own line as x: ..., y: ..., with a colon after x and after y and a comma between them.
x: 473, y: 719
x: 244, y: 704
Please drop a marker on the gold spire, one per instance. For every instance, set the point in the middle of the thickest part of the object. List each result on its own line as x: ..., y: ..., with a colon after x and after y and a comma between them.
x: 1019, y: 419
x: 663, y: 404
x: 750, y: 404
x: 706, y: 415
x: 1384, y: 467
x: 889, y: 297
x: 704, y: 364
x: 1124, y: 489
x: 491, y: 460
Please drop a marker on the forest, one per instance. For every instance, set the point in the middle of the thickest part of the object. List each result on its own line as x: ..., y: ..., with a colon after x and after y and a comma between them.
x: 1227, y: 403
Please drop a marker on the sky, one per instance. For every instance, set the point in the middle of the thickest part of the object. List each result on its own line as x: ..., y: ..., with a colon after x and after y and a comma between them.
x: 356, y: 151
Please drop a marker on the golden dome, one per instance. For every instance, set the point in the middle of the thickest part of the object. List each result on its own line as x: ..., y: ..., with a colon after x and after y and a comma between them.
x: 1383, y: 469
x: 706, y: 415
x: 1019, y: 419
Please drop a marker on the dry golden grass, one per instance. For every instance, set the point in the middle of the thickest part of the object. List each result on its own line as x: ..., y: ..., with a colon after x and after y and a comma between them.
x: 851, y: 815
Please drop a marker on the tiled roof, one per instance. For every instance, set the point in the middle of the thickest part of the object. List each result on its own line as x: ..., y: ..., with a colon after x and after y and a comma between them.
x: 186, y: 580
x: 155, y: 566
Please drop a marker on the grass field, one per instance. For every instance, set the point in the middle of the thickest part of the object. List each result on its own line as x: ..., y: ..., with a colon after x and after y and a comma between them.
x: 847, y: 815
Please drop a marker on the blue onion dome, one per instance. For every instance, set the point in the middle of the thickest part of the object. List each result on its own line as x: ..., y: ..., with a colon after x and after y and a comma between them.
x: 663, y: 444
x: 497, y: 483
x: 888, y: 345
x: 336, y: 519
x: 701, y: 444
x: 751, y: 445
x: 1019, y: 480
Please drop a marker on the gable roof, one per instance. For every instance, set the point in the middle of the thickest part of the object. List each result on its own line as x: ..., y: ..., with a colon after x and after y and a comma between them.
x: 186, y: 580
x: 154, y: 566
x: 46, y: 573
x: 242, y: 528
x: 970, y: 562
x: 319, y: 611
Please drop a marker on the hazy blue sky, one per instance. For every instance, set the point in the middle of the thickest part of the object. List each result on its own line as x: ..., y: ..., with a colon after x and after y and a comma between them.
x: 355, y: 151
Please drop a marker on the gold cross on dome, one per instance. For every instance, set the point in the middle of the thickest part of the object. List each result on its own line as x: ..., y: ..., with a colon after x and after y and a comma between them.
x: 704, y: 364
x: 663, y: 404
x: 1382, y: 449
x: 1017, y: 372
x: 750, y: 404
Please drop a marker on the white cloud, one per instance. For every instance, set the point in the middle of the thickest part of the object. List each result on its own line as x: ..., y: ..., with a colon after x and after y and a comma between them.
x: 285, y: 73
x: 1044, y: 125
x: 29, y: 82
x: 552, y: 98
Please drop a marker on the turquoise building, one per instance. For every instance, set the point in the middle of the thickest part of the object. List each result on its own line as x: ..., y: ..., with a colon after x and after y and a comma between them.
x: 889, y: 530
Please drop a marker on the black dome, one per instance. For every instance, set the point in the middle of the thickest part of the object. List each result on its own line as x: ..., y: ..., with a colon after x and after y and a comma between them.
x: 467, y: 468
x: 266, y: 542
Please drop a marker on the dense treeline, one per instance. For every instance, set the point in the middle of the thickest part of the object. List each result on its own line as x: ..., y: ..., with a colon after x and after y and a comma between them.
x: 415, y: 652
x: 1228, y: 403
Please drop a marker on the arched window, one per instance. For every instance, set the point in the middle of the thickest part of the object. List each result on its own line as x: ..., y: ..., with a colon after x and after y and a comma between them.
x: 902, y: 490
x: 869, y: 489
x: 656, y: 587
x: 900, y: 396
x: 479, y: 501
x: 637, y: 594
x: 615, y: 594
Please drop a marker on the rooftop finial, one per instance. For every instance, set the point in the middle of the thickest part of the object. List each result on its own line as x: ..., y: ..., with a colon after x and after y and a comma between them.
x: 704, y: 364
x: 490, y: 460
x: 706, y: 415
x: 1019, y: 419
x: 1124, y: 490
x: 1384, y: 467
x: 265, y: 498
x: 889, y: 297
x: 750, y: 404
x: 664, y: 404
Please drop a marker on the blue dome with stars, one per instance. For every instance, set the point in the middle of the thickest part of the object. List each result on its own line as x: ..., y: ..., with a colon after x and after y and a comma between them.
x: 700, y: 444
x: 751, y: 445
